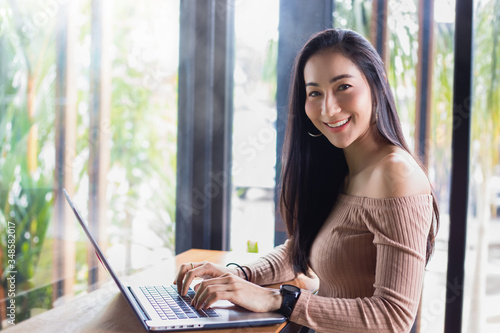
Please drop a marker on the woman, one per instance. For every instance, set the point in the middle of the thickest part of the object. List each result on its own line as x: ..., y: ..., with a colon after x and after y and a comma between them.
x: 358, y: 207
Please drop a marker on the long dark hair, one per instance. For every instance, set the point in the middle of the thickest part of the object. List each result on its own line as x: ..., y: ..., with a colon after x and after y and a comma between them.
x: 313, y: 169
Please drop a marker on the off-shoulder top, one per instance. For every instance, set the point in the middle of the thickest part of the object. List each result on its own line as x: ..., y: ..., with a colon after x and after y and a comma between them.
x: 369, y: 257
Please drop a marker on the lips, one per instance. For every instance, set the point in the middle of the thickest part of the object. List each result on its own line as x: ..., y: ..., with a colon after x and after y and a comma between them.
x: 338, y: 125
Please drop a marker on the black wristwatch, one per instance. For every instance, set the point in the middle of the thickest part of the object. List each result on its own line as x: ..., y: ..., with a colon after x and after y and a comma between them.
x: 290, y: 296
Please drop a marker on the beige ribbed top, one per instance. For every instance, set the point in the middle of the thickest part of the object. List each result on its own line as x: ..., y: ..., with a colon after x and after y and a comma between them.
x: 370, y: 259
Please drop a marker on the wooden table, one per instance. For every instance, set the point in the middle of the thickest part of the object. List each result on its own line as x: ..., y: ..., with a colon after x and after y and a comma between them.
x: 105, y: 310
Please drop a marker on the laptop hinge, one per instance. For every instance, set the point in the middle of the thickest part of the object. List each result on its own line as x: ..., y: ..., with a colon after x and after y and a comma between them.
x: 140, y: 311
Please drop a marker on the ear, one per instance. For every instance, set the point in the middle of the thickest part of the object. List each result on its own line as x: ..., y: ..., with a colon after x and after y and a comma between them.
x: 385, y: 77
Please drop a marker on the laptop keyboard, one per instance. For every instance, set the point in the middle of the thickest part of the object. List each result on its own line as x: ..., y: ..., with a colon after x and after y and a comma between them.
x: 169, y: 304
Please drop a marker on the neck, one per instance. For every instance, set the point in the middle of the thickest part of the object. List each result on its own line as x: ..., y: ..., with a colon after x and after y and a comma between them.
x: 365, y: 151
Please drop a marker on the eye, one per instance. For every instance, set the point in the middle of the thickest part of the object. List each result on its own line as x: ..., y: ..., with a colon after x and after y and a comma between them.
x: 344, y: 87
x: 313, y: 94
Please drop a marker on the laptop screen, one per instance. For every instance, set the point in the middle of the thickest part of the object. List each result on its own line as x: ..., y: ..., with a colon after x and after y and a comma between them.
x: 97, y: 250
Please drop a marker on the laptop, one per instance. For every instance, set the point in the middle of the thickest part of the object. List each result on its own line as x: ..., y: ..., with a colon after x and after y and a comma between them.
x: 162, y: 308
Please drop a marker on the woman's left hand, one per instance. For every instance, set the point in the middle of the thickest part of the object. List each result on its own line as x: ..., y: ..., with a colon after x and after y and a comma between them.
x: 238, y: 291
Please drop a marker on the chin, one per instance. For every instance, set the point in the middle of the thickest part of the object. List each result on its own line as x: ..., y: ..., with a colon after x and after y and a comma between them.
x: 340, y: 144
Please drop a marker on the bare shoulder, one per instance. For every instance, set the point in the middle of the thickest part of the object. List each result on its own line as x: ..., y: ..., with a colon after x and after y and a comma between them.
x: 399, y: 175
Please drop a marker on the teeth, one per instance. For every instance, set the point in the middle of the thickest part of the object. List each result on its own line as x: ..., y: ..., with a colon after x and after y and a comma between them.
x: 338, y: 124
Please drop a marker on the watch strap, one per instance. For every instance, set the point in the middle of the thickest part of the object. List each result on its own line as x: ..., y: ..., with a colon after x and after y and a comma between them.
x: 290, y: 296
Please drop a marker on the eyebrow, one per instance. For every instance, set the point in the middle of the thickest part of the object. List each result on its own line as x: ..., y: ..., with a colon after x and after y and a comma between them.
x: 332, y: 80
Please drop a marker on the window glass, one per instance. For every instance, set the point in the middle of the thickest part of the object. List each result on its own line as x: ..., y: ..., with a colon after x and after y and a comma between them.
x: 434, y: 294
x: 141, y: 131
x: 482, y: 265
x: 254, y: 127
x: 27, y: 83
x: 355, y: 15
x: 402, y: 26
x: 143, y: 119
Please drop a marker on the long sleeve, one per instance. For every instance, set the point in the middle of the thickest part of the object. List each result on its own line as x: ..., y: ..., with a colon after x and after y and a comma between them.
x: 370, y: 259
x: 272, y: 268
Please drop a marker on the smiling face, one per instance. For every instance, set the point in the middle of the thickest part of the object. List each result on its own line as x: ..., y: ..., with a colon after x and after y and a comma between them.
x: 338, y: 99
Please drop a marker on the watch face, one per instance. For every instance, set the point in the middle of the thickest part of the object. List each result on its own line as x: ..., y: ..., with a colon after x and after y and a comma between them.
x: 290, y: 288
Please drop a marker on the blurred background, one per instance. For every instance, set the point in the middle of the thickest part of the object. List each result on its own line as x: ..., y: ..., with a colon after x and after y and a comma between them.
x: 89, y: 100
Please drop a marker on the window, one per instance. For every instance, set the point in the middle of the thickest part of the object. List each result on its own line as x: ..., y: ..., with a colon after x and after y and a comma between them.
x: 254, y: 126
x: 69, y: 96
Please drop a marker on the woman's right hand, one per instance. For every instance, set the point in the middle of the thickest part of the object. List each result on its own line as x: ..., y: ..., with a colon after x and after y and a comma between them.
x: 206, y: 270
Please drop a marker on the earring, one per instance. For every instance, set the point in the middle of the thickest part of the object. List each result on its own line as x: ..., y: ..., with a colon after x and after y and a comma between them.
x: 315, y: 135
x: 376, y: 115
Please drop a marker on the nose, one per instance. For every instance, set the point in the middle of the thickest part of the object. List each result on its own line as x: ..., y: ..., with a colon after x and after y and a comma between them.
x: 331, y: 105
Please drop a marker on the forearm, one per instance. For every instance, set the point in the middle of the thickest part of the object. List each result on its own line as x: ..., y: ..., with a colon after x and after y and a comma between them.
x: 272, y: 268
x: 373, y: 314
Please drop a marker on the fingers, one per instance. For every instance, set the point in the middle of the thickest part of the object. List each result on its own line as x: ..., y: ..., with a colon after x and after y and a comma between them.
x: 182, y: 276
x: 238, y: 291
x: 189, y: 271
x: 213, y: 290
x: 214, y: 297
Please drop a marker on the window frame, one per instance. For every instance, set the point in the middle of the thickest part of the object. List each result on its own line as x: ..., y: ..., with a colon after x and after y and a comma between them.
x: 205, y: 112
